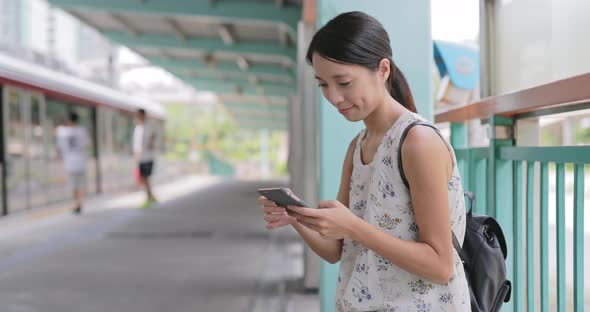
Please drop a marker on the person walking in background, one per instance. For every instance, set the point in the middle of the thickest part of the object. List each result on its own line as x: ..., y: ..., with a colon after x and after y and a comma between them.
x: 72, y: 140
x: 144, y: 141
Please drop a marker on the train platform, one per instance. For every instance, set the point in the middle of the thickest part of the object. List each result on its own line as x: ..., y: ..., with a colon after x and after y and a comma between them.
x: 202, y: 247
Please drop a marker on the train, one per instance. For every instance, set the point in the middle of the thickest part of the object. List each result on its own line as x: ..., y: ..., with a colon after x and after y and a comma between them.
x: 34, y: 102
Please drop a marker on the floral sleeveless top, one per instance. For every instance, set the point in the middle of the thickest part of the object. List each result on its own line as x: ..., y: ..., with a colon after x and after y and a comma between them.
x: 369, y: 282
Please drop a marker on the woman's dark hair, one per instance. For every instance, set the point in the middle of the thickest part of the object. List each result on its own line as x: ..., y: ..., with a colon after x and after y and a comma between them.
x: 73, y: 117
x: 359, y: 39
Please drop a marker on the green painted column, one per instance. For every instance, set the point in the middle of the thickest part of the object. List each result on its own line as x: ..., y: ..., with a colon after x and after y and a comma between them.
x: 501, y: 194
x: 459, y: 141
x: 408, y: 25
x: 459, y: 135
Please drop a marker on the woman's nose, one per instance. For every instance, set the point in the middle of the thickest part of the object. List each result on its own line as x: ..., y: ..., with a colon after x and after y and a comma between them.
x: 334, y: 96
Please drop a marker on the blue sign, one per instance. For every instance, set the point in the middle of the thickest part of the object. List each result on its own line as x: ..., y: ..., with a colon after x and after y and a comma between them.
x: 459, y: 61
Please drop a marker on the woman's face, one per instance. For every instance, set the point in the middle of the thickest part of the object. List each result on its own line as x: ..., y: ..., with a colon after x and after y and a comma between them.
x: 354, y: 90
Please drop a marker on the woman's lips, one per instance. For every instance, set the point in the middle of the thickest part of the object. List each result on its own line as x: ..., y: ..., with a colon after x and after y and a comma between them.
x: 346, y: 110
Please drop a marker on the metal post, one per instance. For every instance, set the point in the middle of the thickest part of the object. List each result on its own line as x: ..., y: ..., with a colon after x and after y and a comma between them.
x: 3, y: 113
x: 500, y: 195
x: 95, y: 147
x: 303, y: 145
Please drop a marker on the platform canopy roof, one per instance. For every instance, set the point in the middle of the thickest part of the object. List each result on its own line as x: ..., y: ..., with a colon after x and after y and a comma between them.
x: 243, y: 50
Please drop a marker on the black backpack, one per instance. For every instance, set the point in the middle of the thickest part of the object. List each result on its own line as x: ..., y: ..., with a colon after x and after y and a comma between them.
x: 484, y: 250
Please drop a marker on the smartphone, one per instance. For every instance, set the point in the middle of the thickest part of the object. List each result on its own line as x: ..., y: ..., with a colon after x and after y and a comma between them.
x: 282, y: 196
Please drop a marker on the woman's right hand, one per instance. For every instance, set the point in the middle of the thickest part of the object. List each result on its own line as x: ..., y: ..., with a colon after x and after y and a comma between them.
x: 274, y: 215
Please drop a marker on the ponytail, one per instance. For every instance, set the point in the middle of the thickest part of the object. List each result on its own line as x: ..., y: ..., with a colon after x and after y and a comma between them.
x: 399, y: 89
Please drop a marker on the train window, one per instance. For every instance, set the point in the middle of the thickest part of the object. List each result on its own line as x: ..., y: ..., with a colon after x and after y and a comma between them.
x: 15, y: 136
x: 123, y: 131
x: 56, y: 114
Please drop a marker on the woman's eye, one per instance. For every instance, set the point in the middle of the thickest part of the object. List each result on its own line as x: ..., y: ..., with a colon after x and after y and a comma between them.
x: 344, y: 84
x: 322, y: 85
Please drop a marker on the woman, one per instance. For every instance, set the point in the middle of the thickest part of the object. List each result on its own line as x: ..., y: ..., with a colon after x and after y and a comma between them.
x: 394, y: 244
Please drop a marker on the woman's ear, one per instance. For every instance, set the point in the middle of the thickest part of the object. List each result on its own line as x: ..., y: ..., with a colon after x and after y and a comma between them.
x: 384, y: 69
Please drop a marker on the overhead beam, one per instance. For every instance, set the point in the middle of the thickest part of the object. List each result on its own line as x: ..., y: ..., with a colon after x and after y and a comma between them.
x: 126, y: 67
x: 208, y: 45
x: 252, y: 79
x: 226, y: 34
x: 284, y: 37
x: 235, y: 76
x: 243, y: 63
x: 239, y: 76
x: 244, y: 86
x: 253, y: 11
x: 241, y: 89
x: 131, y: 30
x: 165, y: 53
x: 264, y: 84
x: 180, y: 34
x: 228, y: 67
x: 225, y: 88
x: 81, y: 18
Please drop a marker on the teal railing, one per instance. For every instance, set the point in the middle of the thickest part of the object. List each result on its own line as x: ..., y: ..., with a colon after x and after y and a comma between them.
x: 218, y: 166
x: 505, y: 177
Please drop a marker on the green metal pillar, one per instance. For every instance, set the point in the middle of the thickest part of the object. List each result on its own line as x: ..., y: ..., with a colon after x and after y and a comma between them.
x: 500, y: 193
x: 408, y: 25
x: 459, y: 141
x: 459, y: 135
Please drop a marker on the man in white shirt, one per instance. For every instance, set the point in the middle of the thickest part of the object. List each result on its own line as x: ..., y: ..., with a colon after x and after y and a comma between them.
x: 72, y: 140
x: 144, y: 146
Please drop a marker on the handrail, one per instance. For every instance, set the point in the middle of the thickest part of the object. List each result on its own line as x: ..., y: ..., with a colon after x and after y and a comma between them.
x: 497, y: 174
x: 568, y: 92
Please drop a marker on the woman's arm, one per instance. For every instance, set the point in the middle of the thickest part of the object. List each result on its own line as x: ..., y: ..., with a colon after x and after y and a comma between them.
x: 428, y: 167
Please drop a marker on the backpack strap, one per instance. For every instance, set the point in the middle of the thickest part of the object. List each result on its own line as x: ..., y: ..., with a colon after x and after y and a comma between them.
x: 469, y: 214
x: 400, y: 166
x: 471, y: 197
x: 457, y: 246
x: 493, y: 226
x: 401, y: 141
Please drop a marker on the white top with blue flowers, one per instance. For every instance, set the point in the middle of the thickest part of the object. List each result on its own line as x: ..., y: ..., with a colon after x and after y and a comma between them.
x: 368, y: 281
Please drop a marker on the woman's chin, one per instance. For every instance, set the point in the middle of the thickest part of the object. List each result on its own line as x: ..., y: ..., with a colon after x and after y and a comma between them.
x: 353, y: 117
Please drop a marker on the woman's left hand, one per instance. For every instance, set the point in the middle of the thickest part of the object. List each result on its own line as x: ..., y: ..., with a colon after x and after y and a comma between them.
x: 331, y: 219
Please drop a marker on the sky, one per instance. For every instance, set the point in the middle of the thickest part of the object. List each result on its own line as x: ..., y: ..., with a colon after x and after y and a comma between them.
x: 455, y: 20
